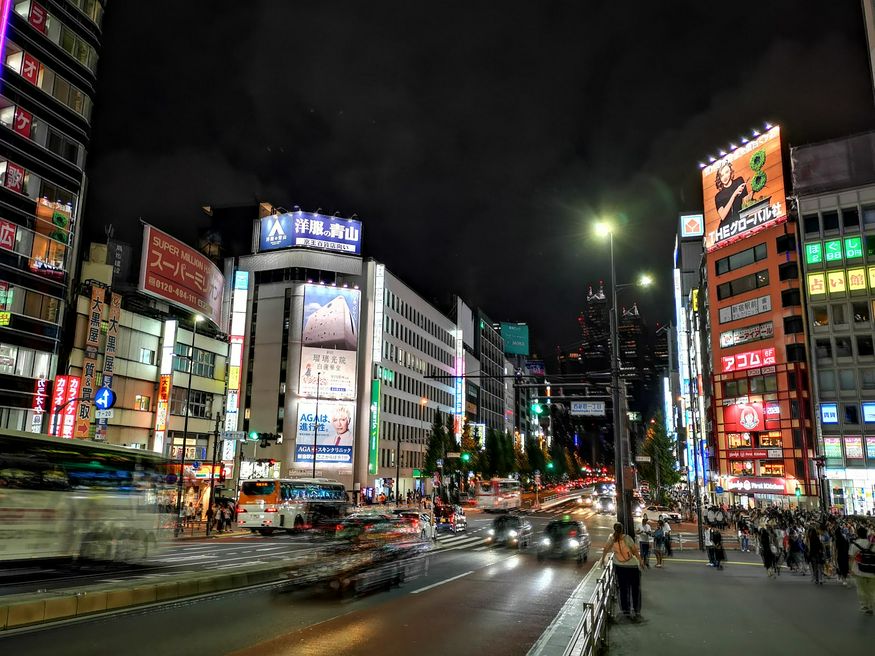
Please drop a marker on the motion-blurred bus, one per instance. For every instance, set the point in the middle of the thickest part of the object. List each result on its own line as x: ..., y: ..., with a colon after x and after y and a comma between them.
x: 266, y: 505
x: 498, y: 494
x: 62, y: 498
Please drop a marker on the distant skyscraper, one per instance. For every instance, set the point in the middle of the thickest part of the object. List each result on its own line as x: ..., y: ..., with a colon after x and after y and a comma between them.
x: 595, y: 328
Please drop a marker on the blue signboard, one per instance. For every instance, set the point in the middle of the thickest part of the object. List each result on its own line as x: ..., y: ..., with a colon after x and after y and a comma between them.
x: 829, y: 413
x: 516, y: 338
x: 310, y: 230
x: 104, y: 398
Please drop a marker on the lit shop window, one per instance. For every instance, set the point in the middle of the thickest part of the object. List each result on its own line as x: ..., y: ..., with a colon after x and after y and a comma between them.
x: 20, y: 361
x: 739, y: 440
x: 92, y: 9
x: 770, y: 440
x: 46, y: 256
x: 41, y: 76
x: 147, y: 356
x: 741, y: 468
x: 40, y: 132
x: 143, y: 403
x: 29, y: 303
x: 56, y: 32
x: 772, y: 468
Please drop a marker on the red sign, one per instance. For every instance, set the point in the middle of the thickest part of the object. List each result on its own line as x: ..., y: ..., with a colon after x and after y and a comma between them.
x: 747, y: 454
x: 755, y: 485
x: 22, y: 122
x: 40, y: 393
x: 748, y: 359
x: 37, y: 17
x: 7, y: 234
x: 179, y: 274
x: 63, y: 418
x: 14, y: 179
x: 30, y: 69
x: 743, y: 418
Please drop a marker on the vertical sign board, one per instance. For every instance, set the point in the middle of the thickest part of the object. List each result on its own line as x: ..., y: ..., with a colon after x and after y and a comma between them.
x: 89, y: 362
x: 459, y: 405
x: 165, y: 382
x: 40, y: 394
x: 239, y: 299
x: 374, y: 436
x: 62, y: 421
x: 329, y: 357
x: 112, y: 333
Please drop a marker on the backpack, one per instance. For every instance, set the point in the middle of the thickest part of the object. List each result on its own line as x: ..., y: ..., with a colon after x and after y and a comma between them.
x: 865, y: 559
x: 621, y: 551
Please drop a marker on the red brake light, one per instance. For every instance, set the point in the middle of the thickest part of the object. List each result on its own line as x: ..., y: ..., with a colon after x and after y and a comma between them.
x: 573, y: 533
x: 240, y: 510
x: 339, y: 527
x: 270, y: 510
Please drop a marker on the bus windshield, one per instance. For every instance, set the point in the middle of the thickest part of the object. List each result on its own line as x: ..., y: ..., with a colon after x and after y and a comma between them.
x: 258, y: 488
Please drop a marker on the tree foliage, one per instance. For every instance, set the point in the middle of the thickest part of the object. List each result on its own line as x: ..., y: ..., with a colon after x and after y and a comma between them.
x: 437, y: 444
x: 659, y: 447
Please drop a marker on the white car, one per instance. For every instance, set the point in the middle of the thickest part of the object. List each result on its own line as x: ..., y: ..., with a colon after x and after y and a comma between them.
x: 423, y: 522
x: 663, y: 512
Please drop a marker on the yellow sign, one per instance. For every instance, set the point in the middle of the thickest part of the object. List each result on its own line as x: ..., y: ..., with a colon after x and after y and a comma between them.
x: 856, y: 279
x: 5, y: 318
x: 872, y: 277
x: 816, y: 284
x: 695, y: 300
x: 234, y: 378
x: 836, y: 282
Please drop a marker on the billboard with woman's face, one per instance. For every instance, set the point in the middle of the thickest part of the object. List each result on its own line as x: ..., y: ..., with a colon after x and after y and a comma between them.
x: 744, y: 191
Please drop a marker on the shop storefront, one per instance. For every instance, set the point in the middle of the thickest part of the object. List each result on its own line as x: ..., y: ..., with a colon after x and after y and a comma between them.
x: 851, y: 490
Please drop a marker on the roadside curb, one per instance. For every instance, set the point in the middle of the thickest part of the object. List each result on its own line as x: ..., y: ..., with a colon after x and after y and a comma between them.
x: 26, y: 610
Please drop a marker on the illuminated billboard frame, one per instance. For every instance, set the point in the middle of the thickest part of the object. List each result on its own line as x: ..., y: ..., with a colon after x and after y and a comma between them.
x: 239, y: 300
x: 165, y: 383
x: 744, y: 191
x: 829, y: 413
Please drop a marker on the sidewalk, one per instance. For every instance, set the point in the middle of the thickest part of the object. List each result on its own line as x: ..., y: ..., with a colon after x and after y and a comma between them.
x: 690, y: 608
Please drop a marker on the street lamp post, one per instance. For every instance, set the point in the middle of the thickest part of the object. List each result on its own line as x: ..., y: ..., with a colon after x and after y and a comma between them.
x: 316, y: 422
x: 180, y: 481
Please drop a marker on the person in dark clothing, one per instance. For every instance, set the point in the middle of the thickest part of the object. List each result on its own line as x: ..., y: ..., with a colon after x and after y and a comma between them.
x: 731, y: 192
x: 719, y: 552
x: 842, y: 547
x: 768, y: 552
x: 815, y: 552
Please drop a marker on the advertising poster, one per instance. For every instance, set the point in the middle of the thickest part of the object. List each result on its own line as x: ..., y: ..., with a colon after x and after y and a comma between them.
x: 177, y: 273
x: 516, y: 338
x: 832, y: 447
x: 89, y: 361
x: 744, y: 418
x: 64, y: 406
x: 854, y: 447
x: 112, y: 333
x: 329, y: 341
x: 332, y: 432
x: 310, y: 230
x: 748, y: 360
x: 744, y: 191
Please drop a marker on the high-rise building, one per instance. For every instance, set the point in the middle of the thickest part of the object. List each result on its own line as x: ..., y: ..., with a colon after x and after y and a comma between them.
x: 595, y: 328
x: 760, y: 426
x: 48, y: 83
x: 835, y: 184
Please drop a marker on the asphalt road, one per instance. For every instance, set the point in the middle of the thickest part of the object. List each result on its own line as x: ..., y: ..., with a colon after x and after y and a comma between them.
x: 472, y: 598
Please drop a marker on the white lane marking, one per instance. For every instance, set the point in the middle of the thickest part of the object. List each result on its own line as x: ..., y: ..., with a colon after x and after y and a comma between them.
x: 465, y: 546
x: 434, y: 585
x: 480, y: 548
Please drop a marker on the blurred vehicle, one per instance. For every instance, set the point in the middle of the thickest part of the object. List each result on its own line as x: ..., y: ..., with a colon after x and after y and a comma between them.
x: 510, y: 530
x: 450, y: 518
x: 376, y: 527
x: 63, y: 498
x: 637, y: 506
x: 585, y: 500
x: 498, y: 494
x: 605, y: 505
x: 266, y: 505
x: 664, y: 513
x: 420, y: 521
x: 564, y: 537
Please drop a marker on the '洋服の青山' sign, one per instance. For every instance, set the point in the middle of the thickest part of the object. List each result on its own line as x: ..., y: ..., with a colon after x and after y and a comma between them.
x: 744, y: 191
x: 179, y: 274
x: 310, y: 230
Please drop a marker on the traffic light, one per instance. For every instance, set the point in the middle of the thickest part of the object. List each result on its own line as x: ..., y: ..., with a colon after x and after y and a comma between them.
x: 798, y: 491
x: 537, y: 408
x: 466, y: 457
x: 264, y: 438
x: 549, y: 465
x: 252, y: 437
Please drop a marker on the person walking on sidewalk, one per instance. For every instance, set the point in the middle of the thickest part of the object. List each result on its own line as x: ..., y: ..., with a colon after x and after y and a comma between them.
x: 862, y: 557
x: 768, y: 552
x: 645, y: 537
x: 815, y: 553
x: 628, y: 567
x: 842, y: 548
x: 667, y: 540
x: 659, y: 541
x: 719, y: 552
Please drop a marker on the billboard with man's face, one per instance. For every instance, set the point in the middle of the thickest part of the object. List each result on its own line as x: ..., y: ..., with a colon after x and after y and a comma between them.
x: 744, y: 191
x: 329, y: 427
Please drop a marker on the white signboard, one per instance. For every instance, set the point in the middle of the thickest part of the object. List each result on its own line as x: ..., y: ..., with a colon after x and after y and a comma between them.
x: 329, y: 342
x: 746, y: 309
x: 747, y: 334
x: 588, y: 408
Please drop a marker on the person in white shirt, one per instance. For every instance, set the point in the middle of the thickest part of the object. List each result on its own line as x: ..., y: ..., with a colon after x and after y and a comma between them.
x: 861, y: 547
x: 645, y: 537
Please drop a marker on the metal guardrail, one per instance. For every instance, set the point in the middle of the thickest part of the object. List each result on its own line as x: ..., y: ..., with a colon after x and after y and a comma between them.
x: 591, y: 635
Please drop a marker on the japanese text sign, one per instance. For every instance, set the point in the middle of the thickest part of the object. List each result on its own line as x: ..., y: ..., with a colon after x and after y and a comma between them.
x: 310, y: 230
x: 748, y: 359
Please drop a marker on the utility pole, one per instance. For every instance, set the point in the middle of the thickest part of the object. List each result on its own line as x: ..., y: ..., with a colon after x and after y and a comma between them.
x: 316, y: 422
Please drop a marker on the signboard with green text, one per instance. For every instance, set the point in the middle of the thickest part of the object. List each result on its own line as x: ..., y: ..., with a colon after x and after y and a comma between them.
x: 374, y: 434
x: 853, y: 247
x: 833, y: 250
x: 814, y: 253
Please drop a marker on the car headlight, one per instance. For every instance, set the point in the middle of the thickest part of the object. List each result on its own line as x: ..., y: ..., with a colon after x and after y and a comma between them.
x: 512, y: 533
x: 573, y: 544
x: 546, y: 542
x: 491, y: 531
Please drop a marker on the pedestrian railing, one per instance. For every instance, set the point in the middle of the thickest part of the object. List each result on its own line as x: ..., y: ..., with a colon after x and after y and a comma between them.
x: 683, y: 541
x: 591, y: 634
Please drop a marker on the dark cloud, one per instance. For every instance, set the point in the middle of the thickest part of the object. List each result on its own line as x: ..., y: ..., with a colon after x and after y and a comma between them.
x: 476, y: 140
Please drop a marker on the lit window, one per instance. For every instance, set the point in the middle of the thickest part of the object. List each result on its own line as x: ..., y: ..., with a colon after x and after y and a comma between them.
x: 143, y: 403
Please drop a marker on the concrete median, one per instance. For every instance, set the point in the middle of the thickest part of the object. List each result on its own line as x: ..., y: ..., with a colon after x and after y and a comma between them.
x: 19, y: 611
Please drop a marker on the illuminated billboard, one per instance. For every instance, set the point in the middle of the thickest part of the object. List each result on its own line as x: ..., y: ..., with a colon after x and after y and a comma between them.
x: 239, y: 299
x: 516, y: 338
x: 748, y: 360
x: 329, y: 342
x: 179, y: 274
x: 744, y: 191
x: 692, y: 225
x: 332, y: 431
x: 310, y: 230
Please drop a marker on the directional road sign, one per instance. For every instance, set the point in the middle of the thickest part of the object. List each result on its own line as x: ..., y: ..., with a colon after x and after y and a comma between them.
x: 233, y: 435
x: 104, y: 399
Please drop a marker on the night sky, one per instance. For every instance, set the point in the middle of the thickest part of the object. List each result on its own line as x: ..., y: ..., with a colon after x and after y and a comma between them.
x: 477, y: 141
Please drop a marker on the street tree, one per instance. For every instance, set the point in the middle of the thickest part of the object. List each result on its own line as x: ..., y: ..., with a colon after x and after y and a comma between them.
x: 660, y: 472
x: 437, y: 444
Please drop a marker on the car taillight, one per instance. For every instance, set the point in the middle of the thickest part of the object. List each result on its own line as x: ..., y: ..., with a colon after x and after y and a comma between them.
x: 240, y: 510
x: 270, y: 510
x: 573, y: 533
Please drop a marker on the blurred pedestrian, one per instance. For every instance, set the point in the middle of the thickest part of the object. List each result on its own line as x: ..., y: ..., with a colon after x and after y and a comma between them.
x: 862, y: 555
x: 666, y: 529
x: 659, y: 541
x: 719, y: 552
x: 842, y: 548
x: 627, y: 567
x: 645, y: 538
x: 815, y: 553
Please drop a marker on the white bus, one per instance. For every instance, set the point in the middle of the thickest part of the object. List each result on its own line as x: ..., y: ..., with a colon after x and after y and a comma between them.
x: 62, y: 498
x: 498, y: 494
x: 266, y: 505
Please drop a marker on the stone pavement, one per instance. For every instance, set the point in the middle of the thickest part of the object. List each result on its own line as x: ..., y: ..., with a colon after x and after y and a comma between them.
x: 690, y: 608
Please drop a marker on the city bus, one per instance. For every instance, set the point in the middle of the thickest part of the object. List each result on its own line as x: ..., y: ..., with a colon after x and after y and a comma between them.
x: 81, y: 500
x: 498, y: 494
x: 266, y: 505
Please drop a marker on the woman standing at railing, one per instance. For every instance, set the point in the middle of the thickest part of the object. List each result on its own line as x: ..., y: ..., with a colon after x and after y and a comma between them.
x: 628, y: 568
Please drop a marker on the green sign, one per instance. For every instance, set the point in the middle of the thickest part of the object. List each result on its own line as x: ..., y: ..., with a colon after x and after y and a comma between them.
x: 814, y: 253
x: 853, y: 247
x: 374, y: 438
x: 417, y: 473
x: 833, y: 250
